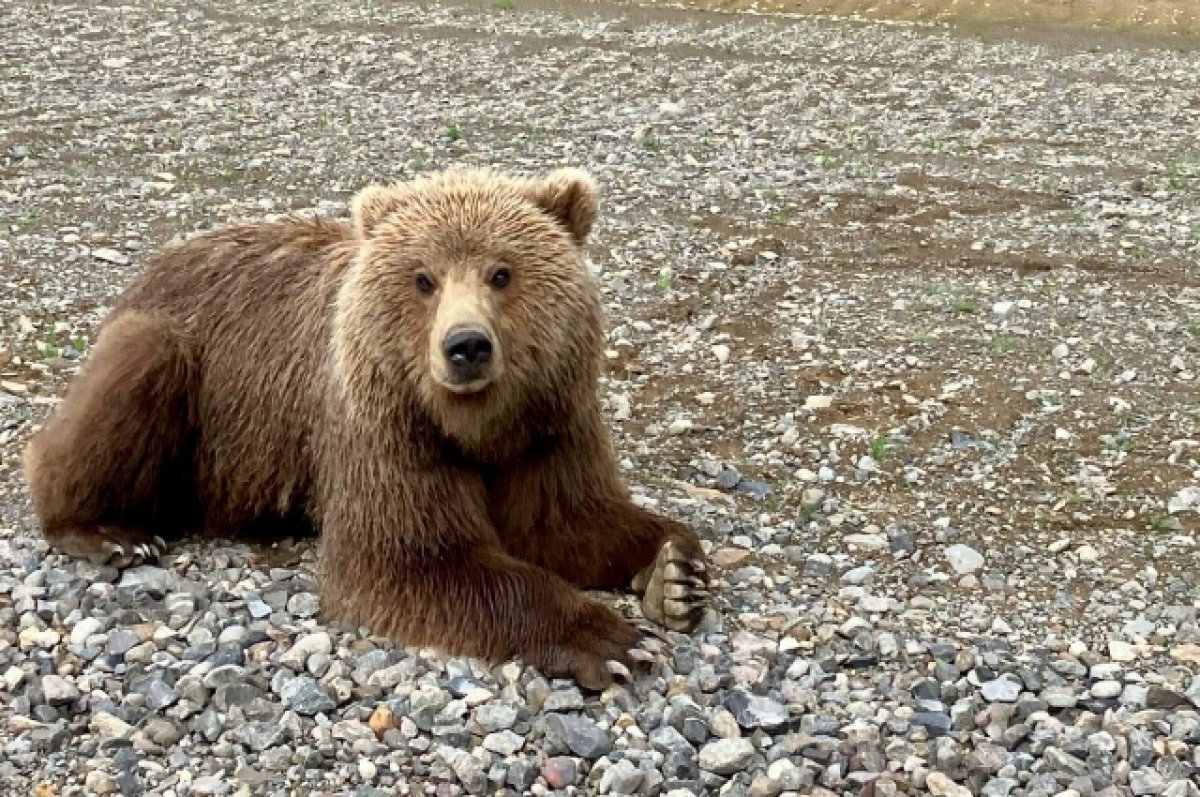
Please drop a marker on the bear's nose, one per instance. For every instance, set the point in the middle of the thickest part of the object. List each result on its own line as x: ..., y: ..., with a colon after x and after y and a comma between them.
x: 467, y: 350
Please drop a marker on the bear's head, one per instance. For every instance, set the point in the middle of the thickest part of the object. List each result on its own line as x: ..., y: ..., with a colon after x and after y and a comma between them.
x: 469, y: 293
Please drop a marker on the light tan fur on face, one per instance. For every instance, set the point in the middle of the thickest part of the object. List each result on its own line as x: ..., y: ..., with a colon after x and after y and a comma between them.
x: 463, y: 300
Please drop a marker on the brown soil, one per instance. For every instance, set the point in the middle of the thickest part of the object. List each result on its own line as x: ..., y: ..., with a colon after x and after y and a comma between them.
x: 1144, y: 18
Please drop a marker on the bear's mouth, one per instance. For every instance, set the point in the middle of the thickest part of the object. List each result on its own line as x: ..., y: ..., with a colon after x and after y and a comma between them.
x: 464, y: 389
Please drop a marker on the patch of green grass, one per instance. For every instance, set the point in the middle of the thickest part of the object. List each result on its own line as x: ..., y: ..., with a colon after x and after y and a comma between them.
x: 1194, y: 326
x: 1104, y: 367
x: 831, y: 160
x: 779, y: 219
x: 452, y: 132
x: 1006, y: 345
x: 964, y: 306
x: 879, y: 448
x: 505, y: 5
x: 1161, y: 524
x: 1124, y: 445
x: 664, y: 281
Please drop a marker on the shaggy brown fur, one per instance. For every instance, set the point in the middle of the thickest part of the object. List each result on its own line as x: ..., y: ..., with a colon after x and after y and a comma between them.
x: 298, y: 371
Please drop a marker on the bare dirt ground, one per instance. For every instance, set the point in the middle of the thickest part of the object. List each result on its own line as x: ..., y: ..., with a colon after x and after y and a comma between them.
x: 904, y: 318
x: 1125, y: 17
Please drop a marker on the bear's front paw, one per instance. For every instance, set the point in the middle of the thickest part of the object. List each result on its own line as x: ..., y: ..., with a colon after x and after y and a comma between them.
x: 601, y: 648
x: 674, y: 587
x: 110, y: 545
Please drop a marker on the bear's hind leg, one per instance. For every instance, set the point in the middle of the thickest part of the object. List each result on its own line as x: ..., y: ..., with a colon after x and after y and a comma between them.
x: 107, y: 467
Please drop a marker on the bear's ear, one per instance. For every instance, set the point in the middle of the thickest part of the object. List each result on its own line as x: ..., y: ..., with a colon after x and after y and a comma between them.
x: 570, y: 196
x: 371, y: 205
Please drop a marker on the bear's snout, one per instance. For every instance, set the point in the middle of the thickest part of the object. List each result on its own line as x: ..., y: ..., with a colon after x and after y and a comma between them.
x: 468, y: 350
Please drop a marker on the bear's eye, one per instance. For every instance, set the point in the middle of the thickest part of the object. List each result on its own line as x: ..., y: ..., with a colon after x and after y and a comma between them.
x: 501, y: 278
x: 424, y: 284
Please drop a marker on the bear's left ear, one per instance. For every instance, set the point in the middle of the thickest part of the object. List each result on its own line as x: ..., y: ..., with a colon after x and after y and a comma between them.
x: 571, y: 197
x: 372, y: 205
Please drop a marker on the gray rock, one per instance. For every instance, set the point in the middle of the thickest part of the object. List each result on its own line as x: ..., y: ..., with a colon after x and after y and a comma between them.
x: 1001, y: 690
x: 159, y: 695
x: 935, y: 723
x: 505, y: 742
x: 570, y: 699
x: 162, y: 732
x: 666, y: 739
x: 1147, y: 781
x: 581, y: 736
x: 304, y: 604
x: 1059, y: 697
x: 58, y: 691
x: 305, y: 696
x: 622, y: 778
x: 752, y: 711
x: 727, y: 756
x: 259, y: 736
x: 858, y: 575
x: 85, y: 628
x: 964, y: 559
x: 469, y: 770
x: 151, y: 579
x: 521, y: 775
x: 492, y: 717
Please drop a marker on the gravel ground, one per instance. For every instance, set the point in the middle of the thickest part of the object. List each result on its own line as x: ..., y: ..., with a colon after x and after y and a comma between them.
x: 906, y: 323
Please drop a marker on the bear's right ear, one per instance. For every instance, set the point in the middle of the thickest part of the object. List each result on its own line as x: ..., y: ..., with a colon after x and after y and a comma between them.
x: 569, y: 196
x: 372, y: 205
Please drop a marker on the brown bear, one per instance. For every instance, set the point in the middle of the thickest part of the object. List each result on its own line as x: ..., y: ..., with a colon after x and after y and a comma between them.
x: 418, y: 385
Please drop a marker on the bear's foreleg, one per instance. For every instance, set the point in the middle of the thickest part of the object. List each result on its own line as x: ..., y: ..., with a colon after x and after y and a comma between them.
x: 98, y: 471
x: 411, y: 555
x: 568, y: 511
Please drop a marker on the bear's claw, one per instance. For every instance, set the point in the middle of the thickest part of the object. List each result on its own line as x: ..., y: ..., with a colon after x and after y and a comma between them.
x: 112, y: 546
x: 675, y: 588
x: 618, y: 669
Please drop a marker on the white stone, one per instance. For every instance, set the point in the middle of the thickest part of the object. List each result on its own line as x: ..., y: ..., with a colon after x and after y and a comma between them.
x: 111, y: 256
x: 109, y: 725
x: 1121, y: 651
x: 679, y: 426
x: 84, y: 629
x: 964, y: 559
x: 296, y: 656
x: 14, y: 676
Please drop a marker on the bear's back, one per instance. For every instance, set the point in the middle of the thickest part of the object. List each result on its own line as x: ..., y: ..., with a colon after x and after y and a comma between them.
x: 254, y: 302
